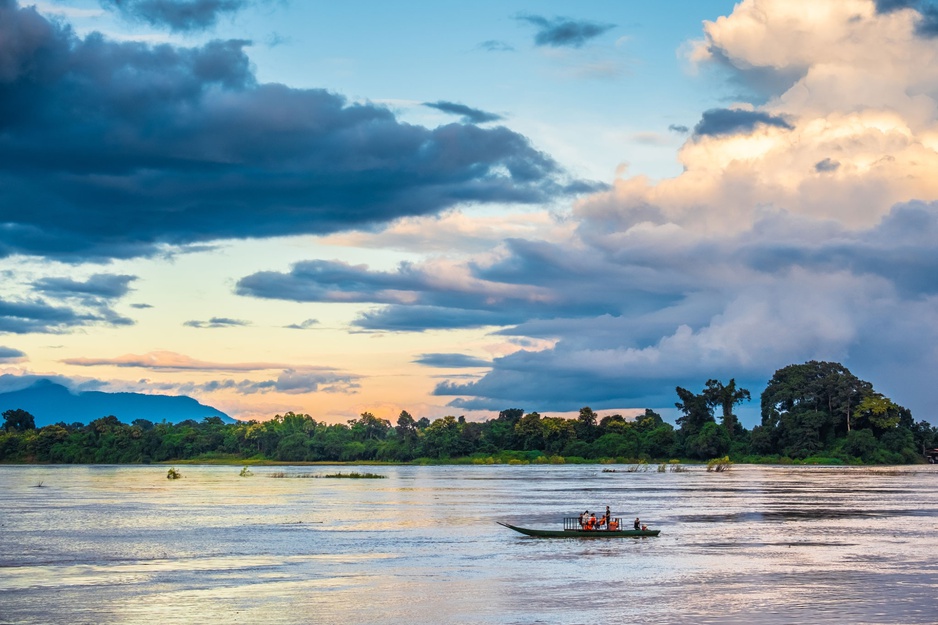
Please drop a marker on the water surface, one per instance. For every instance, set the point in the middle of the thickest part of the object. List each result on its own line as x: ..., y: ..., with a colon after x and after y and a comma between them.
x: 769, y: 545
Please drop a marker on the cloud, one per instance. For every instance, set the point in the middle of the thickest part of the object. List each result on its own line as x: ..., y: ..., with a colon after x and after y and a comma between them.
x: 451, y: 361
x: 717, y: 122
x: 104, y: 286
x: 927, y: 24
x: 123, y: 149
x: 217, y: 322
x: 469, y: 115
x: 526, y: 280
x: 493, y: 45
x: 739, y: 307
x: 26, y: 316
x: 11, y: 355
x: 564, y: 32
x: 176, y: 15
x: 678, y: 128
x: 171, y: 361
x: 826, y: 165
x: 303, y: 325
x: 289, y: 381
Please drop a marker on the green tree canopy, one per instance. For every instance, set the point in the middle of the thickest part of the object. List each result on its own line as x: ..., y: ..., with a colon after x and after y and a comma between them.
x: 18, y: 420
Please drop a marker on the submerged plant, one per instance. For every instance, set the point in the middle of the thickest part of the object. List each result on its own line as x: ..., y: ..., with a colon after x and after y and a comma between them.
x: 246, y: 472
x: 173, y: 474
x: 719, y: 465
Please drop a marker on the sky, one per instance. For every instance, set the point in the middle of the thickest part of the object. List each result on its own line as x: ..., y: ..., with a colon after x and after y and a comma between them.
x: 332, y: 208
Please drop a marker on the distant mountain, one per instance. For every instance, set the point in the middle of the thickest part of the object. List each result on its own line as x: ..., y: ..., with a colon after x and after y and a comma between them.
x: 51, y: 403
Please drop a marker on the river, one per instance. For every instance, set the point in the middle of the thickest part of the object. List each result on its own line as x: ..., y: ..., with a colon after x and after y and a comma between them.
x: 754, y: 545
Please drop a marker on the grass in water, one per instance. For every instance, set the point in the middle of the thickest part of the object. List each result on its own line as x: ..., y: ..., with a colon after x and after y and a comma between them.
x: 353, y: 475
x: 357, y: 476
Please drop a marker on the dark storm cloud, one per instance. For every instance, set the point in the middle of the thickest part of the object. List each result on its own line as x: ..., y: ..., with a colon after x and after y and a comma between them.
x: 537, y: 280
x: 9, y: 354
x: 119, y: 149
x: 564, y: 32
x: 451, y: 361
x: 717, y: 122
x: 562, y: 388
x: 826, y: 165
x: 827, y: 291
x: 104, y: 286
x: 901, y: 250
x: 468, y: 114
x: 217, y: 322
x: 176, y: 15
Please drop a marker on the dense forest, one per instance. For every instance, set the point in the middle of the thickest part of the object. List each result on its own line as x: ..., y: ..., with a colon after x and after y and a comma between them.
x: 817, y: 412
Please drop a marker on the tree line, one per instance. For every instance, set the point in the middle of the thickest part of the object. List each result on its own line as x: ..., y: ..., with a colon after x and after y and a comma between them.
x: 815, y: 412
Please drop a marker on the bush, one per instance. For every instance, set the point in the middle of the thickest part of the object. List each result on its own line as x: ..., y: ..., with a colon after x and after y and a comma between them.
x: 719, y: 465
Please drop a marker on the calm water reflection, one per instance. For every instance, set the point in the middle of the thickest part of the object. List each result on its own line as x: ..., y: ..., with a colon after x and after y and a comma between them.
x: 108, y: 544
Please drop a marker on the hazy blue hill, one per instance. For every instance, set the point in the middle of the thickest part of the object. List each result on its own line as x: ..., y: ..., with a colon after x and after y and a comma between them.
x: 50, y: 403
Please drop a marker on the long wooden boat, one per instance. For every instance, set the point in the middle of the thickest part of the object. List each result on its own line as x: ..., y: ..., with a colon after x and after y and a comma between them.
x: 581, y: 533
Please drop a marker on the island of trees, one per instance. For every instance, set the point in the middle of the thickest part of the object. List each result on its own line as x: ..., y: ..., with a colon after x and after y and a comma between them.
x: 817, y: 412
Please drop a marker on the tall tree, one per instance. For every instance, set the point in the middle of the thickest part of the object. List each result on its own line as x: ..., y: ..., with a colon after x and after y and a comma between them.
x: 406, y: 426
x: 826, y: 390
x: 697, y: 411
x: 585, y: 426
x: 726, y: 397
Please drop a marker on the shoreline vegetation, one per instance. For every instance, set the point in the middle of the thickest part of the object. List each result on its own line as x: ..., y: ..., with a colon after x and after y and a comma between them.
x: 817, y: 413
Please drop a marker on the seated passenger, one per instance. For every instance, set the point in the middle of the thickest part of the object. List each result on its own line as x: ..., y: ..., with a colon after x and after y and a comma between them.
x: 613, y: 525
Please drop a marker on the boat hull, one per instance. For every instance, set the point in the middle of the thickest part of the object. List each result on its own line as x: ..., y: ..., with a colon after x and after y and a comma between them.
x: 582, y: 533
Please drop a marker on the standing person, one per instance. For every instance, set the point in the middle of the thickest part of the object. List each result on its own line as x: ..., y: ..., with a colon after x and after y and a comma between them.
x: 638, y: 524
x: 584, y: 518
x: 608, y: 517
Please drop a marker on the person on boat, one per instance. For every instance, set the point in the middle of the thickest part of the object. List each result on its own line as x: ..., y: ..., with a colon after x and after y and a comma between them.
x: 644, y: 528
x: 591, y: 523
x: 638, y: 524
x: 602, y: 523
x: 584, y: 518
x: 613, y: 525
x: 608, y: 515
